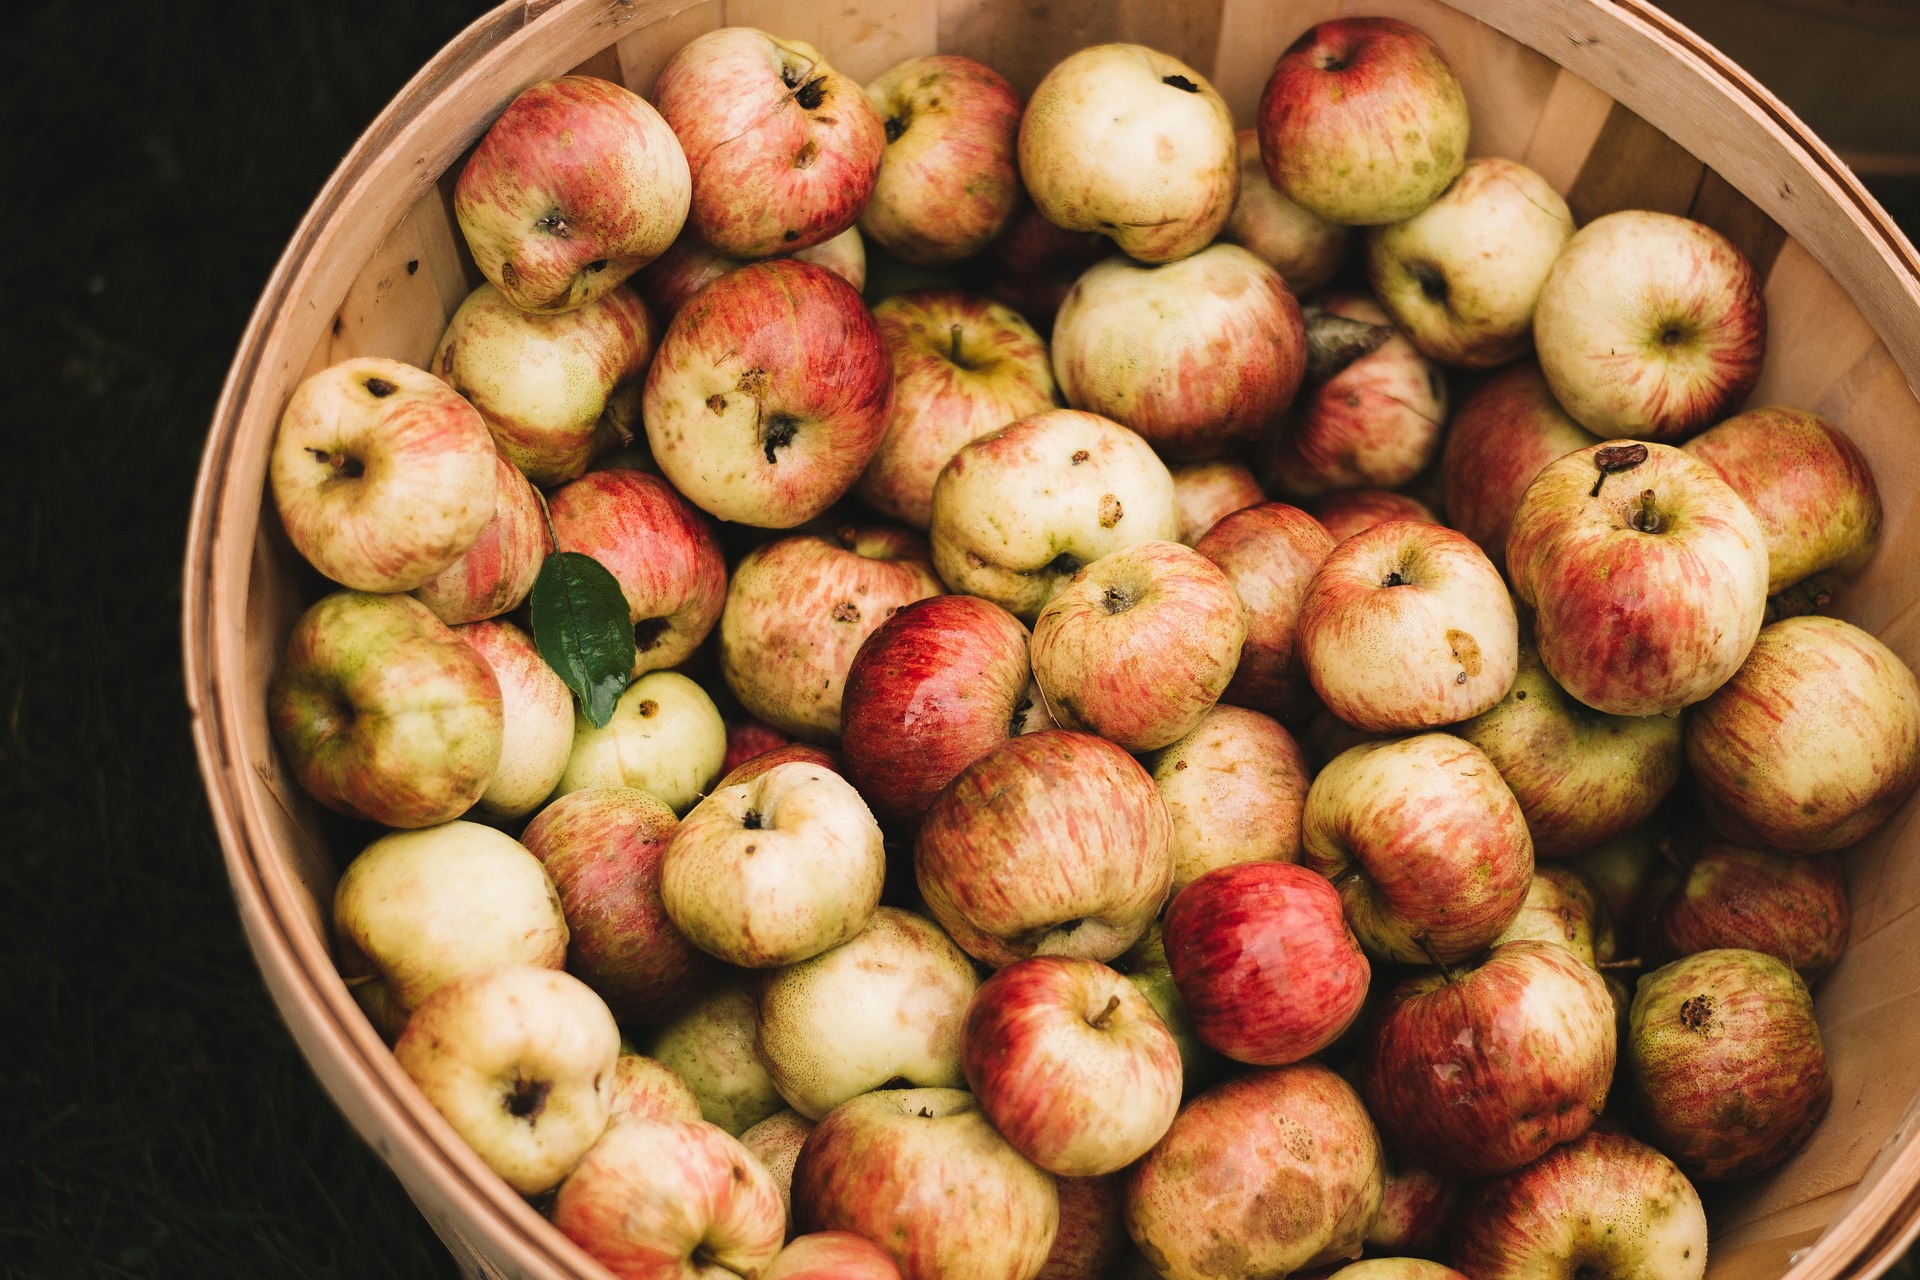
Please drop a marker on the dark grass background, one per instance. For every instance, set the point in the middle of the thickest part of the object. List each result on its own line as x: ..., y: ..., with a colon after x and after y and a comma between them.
x: 155, y: 1118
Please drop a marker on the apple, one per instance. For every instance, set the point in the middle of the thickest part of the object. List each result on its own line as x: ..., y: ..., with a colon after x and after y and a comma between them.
x: 536, y: 726
x: 1203, y: 492
x: 1017, y: 512
x: 1053, y: 843
x: 1306, y: 249
x: 963, y: 366
x: 1407, y: 625
x: 1345, y: 512
x: 1123, y: 139
x: 384, y: 713
x: 667, y: 1199
x: 784, y: 149
x: 1620, y: 871
x: 520, y: 1061
x: 1605, y: 1202
x: 578, y: 184
x: 1362, y: 121
x: 767, y: 761
x: 1270, y: 553
x: 1415, y: 1211
x: 1145, y: 966
x: 1497, y: 442
x: 1728, y: 1072
x: 883, y: 1009
x: 1813, y: 743
x: 660, y: 549
x: 1234, y: 787
x: 689, y: 266
x: 1139, y: 645
x: 1201, y: 356
x: 1426, y: 844
x: 1374, y: 424
x: 1647, y: 574
x: 769, y: 394
x: 714, y: 1046
x: 949, y: 178
x: 832, y: 1255
x: 1564, y: 909
x: 1031, y: 265
x: 1071, y: 1064
x: 1650, y: 326
x: 775, y: 1142
x: 644, y: 1089
x: 1460, y: 277
x: 1793, y: 908
x: 382, y: 476
x: 1395, y: 1269
x: 1266, y: 965
x: 665, y: 737
x: 748, y: 739
x: 494, y: 575
x: 1285, y: 1159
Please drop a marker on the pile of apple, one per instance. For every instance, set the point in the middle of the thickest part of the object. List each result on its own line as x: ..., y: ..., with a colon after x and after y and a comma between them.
x: 1157, y: 986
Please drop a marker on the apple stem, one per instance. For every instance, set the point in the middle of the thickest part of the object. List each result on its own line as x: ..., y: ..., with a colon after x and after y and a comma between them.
x: 703, y: 1258
x: 953, y: 344
x: 1619, y: 966
x: 1426, y: 945
x: 1100, y: 1020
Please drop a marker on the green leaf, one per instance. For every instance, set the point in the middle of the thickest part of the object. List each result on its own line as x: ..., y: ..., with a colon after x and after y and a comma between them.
x: 583, y: 629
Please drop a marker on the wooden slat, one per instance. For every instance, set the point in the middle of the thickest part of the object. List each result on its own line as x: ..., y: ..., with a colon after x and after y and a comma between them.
x: 400, y: 303
x: 1814, y: 332
x: 604, y: 64
x: 1570, y: 123
x: 1633, y: 166
x: 861, y: 40
x: 1023, y: 41
x: 1253, y: 35
x: 1739, y: 219
x: 1873, y: 404
x: 645, y: 50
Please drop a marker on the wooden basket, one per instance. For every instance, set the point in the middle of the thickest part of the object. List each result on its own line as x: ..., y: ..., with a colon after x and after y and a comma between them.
x: 1613, y: 102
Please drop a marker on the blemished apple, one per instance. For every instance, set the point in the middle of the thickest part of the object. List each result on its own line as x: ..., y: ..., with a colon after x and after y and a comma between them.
x: 555, y: 390
x: 1204, y: 492
x: 715, y: 1047
x: 1296, y: 1136
x: 1646, y: 572
x: 665, y: 737
x: 872, y: 1164
x: 769, y: 394
x: 1407, y: 625
x: 1071, y: 1064
x: 1581, y: 776
x: 603, y: 847
x: 1266, y: 966
x: 1650, y: 326
x: 494, y: 575
x: 1374, y: 425
x: 1270, y: 553
x: 1017, y: 512
x: 383, y: 477
x: 775, y: 1143
x: 963, y: 366
x: 784, y: 149
x: 950, y: 176
x: 1362, y: 121
x: 1234, y: 787
x: 384, y: 713
x: 536, y: 725
x: 1426, y: 844
x: 1122, y: 139
x: 1139, y: 645
x: 662, y: 551
x: 689, y: 266
x: 1345, y: 512
x: 799, y: 609
x: 1813, y: 743
x: 1807, y: 484
x: 1564, y: 909
x: 1498, y: 440
x: 1145, y: 965
x: 1031, y: 265
x: 520, y: 1061
x: 645, y: 1089
x: 791, y: 753
x: 670, y: 1200
x: 1201, y: 356
x: 1460, y: 277
x: 1415, y: 1212
x: 1053, y: 843
x: 886, y: 1006
x: 578, y: 184
x: 1605, y: 1201
x: 832, y: 1255
x: 1306, y: 249
x: 1793, y: 907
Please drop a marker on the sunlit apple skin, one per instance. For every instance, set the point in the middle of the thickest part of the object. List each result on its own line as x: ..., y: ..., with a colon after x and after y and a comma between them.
x: 1204, y: 492
x: 1648, y: 596
x: 792, y: 753
x: 1606, y: 1201
x: 1407, y: 625
x: 1346, y: 512
x: 1650, y: 326
x: 1813, y: 743
x: 1093, y: 1229
x: 665, y: 738
x: 1234, y: 787
x: 1264, y: 961
x: 1793, y: 908
x: 1415, y: 1212
x: 1807, y: 484
x: 1270, y: 553
x: 775, y: 1143
x: 1123, y: 139
x: 1053, y: 843
x: 769, y: 394
x: 495, y: 574
x: 576, y: 186
x: 645, y: 1089
x: 950, y: 177
x: 1497, y: 442
x: 934, y: 688
x: 784, y: 150
x: 1728, y: 1071
x: 1031, y: 265
x: 536, y: 726
x: 714, y: 1046
x: 832, y: 1255
x: 1200, y: 356
x: 1306, y: 249
x: 1425, y: 843
x: 1362, y: 121
x: 921, y: 1173
x: 962, y: 366
x: 689, y: 266
x: 1202, y: 1204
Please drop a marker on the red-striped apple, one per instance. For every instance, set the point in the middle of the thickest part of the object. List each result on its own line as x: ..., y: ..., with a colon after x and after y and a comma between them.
x: 950, y: 177
x: 536, y: 720
x: 1204, y: 492
x: 1234, y: 788
x: 689, y: 266
x: 1791, y: 907
x: 1345, y: 512
x: 1270, y: 553
x: 1497, y: 442
x: 494, y: 575
x: 832, y: 1255
x: 646, y: 1089
x: 1306, y: 249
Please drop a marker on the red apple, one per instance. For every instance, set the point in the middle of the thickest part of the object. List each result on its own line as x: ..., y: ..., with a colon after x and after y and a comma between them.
x: 1497, y: 442
x: 1269, y: 553
x: 775, y: 1143
x: 832, y: 1255
x: 791, y: 753
x: 1792, y: 908
x: 1145, y: 964
x: 1093, y: 1229
x: 647, y: 1089
x: 1033, y: 263
x: 1234, y: 788
x: 749, y: 738
x: 1303, y: 247
x: 536, y: 727
x: 689, y: 266
x: 494, y: 575
x: 1203, y: 492
x: 1414, y: 1212
x: 1346, y: 512
x: 950, y: 176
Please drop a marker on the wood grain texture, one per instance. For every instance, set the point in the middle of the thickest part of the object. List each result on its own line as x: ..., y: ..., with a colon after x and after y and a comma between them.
x: 1718, y: 204
x: 646, y: 49
x: 861, y: 40
x: 1633, y: 165
x: 1022, y: 41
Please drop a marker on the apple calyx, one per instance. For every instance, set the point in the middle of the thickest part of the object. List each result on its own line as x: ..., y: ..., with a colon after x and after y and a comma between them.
x: 1335, y: 341
x: 527, y: 1099
x: 1616, y: 457
x: 345, y: 466
x: 1181, y: 83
